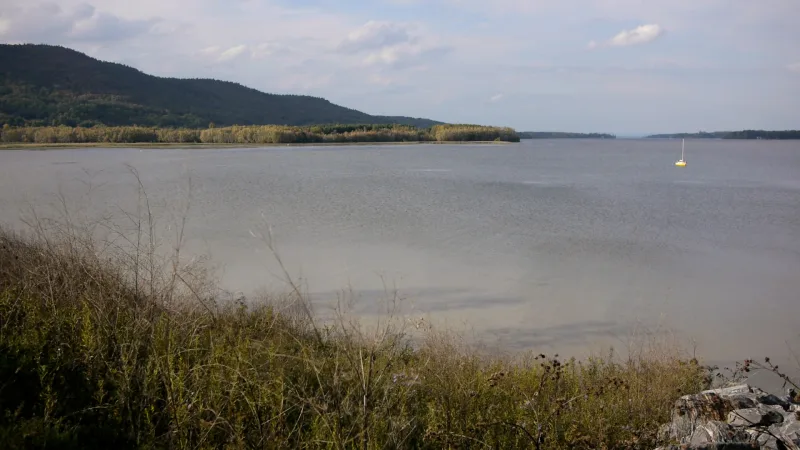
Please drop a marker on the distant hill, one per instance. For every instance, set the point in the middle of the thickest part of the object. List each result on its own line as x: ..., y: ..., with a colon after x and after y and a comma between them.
x: 744, y: 134
x: 562, y: 135
x: 53, y: 85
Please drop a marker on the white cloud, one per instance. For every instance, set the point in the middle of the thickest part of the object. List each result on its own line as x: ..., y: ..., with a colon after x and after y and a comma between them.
x: 405, y: 56
x: 376, y: 35
x: 218, y: 54
x: 210, y: 51
x: 639, y: 35
x: 49, y: 22
x: 392, y: 44
x: 795, y: 67
x: 232, y: 53
x: 496, y: 98
x: 388, y: 55
x: 266, y: 49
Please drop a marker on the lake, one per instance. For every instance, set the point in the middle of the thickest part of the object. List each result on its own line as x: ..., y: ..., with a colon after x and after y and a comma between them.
x: 557, y: 245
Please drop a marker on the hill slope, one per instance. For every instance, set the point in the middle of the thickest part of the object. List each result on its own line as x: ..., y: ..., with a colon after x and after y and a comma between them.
x: 52, y: 85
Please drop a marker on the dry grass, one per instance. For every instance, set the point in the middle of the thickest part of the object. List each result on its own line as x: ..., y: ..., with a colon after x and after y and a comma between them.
x: 104, y: 344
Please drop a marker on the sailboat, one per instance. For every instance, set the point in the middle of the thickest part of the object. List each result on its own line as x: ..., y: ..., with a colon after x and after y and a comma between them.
x: 681, y: 162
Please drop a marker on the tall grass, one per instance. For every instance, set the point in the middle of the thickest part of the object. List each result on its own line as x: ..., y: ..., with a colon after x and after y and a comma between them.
x: 103, y: 343
x: 255, y: 134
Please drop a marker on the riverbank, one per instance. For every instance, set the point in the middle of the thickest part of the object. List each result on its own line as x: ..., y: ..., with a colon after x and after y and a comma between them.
x: 177, y: 145
x: 121, y: 348
x: 256, y: 134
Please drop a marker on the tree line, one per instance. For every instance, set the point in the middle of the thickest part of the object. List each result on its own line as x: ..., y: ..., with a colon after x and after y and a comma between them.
x: 256, y: 134
x: 563, y: 135
x: 742, y: 134
x: 763, y: 134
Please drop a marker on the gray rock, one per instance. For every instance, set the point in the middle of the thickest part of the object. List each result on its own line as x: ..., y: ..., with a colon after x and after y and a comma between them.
x: 742, y: 401
x: 727, y: 446
x: 763, y: 415
x: 769, y: 399
x: 790, y: 431
x: 735, y: 417
x: 767, y: 441
x: 732, y: 390
x: 716, y: 432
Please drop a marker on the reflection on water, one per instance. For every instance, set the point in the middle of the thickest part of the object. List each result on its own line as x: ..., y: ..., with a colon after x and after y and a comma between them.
x: 546, y: 244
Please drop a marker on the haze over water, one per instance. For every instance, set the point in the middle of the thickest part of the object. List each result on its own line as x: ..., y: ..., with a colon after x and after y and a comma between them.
x: 548, y: 244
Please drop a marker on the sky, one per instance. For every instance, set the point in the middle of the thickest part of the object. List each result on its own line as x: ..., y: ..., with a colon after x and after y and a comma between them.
x: 621, y: 66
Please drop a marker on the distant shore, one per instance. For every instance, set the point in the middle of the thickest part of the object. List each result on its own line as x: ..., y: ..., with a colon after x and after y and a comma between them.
x: 742, y: 135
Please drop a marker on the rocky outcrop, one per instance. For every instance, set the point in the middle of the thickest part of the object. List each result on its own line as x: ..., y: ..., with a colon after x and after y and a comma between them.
x: 737, y: 417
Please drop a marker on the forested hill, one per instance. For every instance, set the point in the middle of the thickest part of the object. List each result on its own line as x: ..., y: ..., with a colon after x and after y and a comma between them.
x: 52, y: 85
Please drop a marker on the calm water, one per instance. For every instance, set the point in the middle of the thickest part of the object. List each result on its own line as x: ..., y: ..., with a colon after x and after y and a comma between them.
x: 545, y: 244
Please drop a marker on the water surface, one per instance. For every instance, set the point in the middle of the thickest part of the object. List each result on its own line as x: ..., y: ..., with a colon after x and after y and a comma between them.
x: 547, y: 244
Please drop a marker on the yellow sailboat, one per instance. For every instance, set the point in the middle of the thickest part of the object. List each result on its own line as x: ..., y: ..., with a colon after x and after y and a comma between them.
x: 681, y: 162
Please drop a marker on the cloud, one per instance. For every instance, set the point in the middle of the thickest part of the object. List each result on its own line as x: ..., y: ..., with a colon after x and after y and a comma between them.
x: 794, y: 67
x: 218, y: 54
x: 392, y: 45
x: 376, y: 35
x: 232, y: 53
x: 496, y: 98
x: 101, y: 27
x: 405, y: 56
x: 266, y: 49
x: 50, y: 23
x: 642, y: 34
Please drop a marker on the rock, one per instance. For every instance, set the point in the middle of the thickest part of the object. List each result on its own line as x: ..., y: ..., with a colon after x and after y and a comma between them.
x: 769, y: 399
x: 735, y: 417
x: 790, y: 430
x: 742, y: 401
x: 728, y: 446
x: 763, y: 415
x: 731, y: 390
x: 715, y: 432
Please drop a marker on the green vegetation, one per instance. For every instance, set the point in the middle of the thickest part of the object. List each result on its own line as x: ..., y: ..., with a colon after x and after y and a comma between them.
x: 106, y: 345
x: 43, y: 85
x: 562, y: 135
x: 744, y: 134
x: 265, y: 134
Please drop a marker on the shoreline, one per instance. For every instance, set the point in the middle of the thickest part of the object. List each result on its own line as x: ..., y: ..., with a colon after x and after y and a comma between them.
x: 190, y: 145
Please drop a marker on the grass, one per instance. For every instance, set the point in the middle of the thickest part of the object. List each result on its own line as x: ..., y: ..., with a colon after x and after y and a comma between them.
x: 105, y: 344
